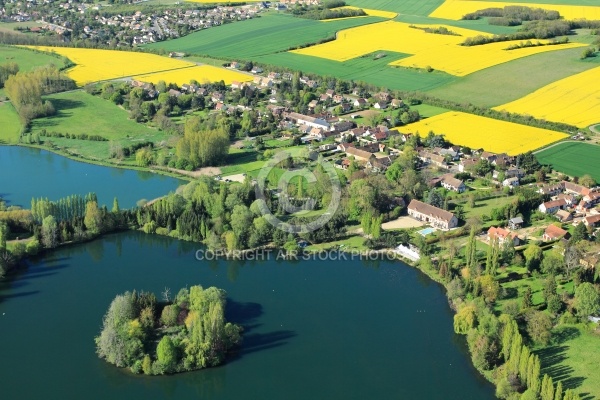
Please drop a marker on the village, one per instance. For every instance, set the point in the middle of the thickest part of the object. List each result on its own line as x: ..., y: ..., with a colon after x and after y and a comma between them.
x: 357, y: 131
x: 121, y: 29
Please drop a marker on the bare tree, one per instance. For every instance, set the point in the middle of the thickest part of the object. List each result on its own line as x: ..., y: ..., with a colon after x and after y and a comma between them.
x: 166, y: 295
x: 572, y: 257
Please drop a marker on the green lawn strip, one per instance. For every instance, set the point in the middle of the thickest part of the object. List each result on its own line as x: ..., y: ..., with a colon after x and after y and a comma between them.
x: 10, y: 125
x: 427, y: 111
x: 413, y: 7
x: 365, y: 69
x: 476, y: 25
x: 506, y: 82
x: 268, y: 34
x: 28, y: 59
x: 575, y: 159
x: 82, y: 113
x: 348, y: 244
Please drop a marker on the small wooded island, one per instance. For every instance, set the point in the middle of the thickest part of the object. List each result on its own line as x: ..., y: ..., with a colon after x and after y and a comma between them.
x: 156, y: 338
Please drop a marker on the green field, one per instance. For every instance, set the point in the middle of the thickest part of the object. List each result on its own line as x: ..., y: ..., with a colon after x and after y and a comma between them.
x: 79, y: 112
x: 10, y: 126
x: 478, y: 25
x: 575, y: 159
x: 364, y: 69
x: 574, y: 360
x: 411, y: 7
x: 268, y: 34
x: 28, y: 59
x: 506, y: 82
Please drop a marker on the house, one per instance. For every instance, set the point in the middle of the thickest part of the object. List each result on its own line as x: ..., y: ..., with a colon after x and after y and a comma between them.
x: 313, y: 104
x: 563, y: 216
x: 502, y: 235
x: 397, y: 103
x: 174, y: 93
x: 234, y: 65
x: 430, y: 158
x: 380, y: 105
x: 329, y: 93
x: 551, y: 189
x: 592, y: 220
x: 574, y: 188
x: 515, y: 223
x: 359, y: 154
x: 553, y: 232
x: 592, y: 198
x: 511, y: 182
x: 237, y: 85
x: 513, y: 172
x: 569, y: 198
x: 383, y: 96
x: 451, y: 183
x: 313, y: 122
x: 435, y: 216
x: 216, y: 97
x: 256, y: 70
x: 338, y: 98
x: 465, y: 165
x: 550, y: 207
x: 380, y: 164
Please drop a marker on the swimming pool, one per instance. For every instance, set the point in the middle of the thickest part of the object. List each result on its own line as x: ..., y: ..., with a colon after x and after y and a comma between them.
x: 426, y: 231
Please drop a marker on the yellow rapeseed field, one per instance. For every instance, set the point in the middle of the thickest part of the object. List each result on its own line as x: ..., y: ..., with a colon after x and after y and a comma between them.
x: 574, y: 100
x: 370, y: 12
x: 99, y: 65
x: 202, y: 74
x: 487, y: 133
x: 441, y: 52
x: 455, y: 9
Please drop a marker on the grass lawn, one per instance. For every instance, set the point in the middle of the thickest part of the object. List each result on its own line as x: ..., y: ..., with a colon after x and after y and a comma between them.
x: 576, y: 159
x: 28, y: 59
x: 9, y: 123
x: 270, y: 33
x: 574, y: 359
x: 366, y: 69
x: 428, y: 111
x: 506, y: 82
x: 348, y: 244
x: 484, y: 207
x: 79, y: 112
x: 412, y: 7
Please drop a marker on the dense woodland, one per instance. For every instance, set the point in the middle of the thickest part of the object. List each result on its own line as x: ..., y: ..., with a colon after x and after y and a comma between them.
x: 155, y: 338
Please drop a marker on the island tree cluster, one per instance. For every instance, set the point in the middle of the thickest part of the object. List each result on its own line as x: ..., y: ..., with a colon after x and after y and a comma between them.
x: 156, y: 338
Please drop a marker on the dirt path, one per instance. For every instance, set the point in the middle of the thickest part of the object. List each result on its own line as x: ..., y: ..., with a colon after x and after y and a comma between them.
x: 206, y: 171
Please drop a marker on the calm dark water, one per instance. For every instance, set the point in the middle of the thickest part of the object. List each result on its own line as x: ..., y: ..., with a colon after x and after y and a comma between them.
x: 27, y: 173
x: 314, y: 329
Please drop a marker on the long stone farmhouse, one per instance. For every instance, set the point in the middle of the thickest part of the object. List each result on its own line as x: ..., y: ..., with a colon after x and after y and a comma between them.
x: 435, y: 216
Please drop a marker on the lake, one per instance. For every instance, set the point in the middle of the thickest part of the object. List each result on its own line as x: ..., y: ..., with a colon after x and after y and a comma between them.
x: 313, y: 329
x: 28, y: 172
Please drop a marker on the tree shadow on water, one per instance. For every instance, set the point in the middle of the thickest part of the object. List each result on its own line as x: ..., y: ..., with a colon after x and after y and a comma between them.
x: 247, y: 315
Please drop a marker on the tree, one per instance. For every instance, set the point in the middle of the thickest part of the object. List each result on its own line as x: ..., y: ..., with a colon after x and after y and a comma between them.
x: 464, y: 320
x: 49, y: 232
x: 3, y: 234
x: 587, y: 181
x: 166, y: 353
x: 93, y: 217
x: 579, y: 233
x: 169, y: 315
x: 527, y: 300
x: 533, y: 256
x: 553, y: 262
x: 435, y: 198
x: 539, y: 325
x: 115, y: 208
x: 558, y: 395
x: 489, y: 288
x: 203, y: 147
x: 587, y: 300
